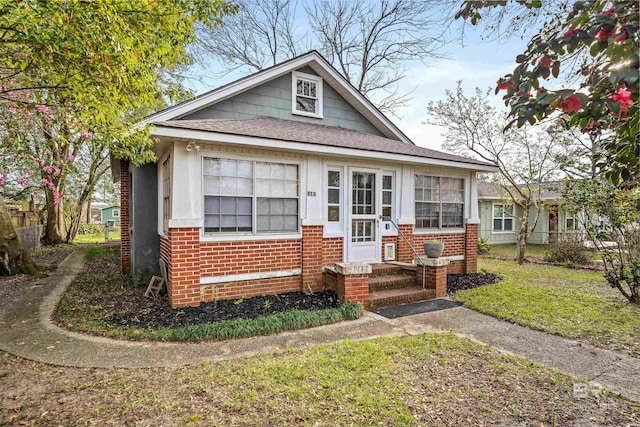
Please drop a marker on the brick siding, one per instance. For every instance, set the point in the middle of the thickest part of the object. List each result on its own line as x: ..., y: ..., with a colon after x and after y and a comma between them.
x: 331, y: 250
x: 125, y: 239
x: 224, y: 258
x: 471, y: 249
x: 251, y: 288
x: 312, y: 258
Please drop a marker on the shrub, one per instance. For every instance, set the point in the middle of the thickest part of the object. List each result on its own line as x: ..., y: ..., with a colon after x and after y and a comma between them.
x: 91, y: 229
x: 567, y: 252
x: 483, y: 246
x: 242, y: 328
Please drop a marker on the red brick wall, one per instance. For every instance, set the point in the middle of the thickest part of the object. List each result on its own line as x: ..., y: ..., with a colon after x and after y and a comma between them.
x: 454, y: 244
x: 353, y: 288
x: 471, y: 249
x: 184, y: 274
x: 331, y: 250
x: 224, y: 258
x: 312, y: 257
x: 125, y: 240
x: 251, y: 288
x: 403, y: 251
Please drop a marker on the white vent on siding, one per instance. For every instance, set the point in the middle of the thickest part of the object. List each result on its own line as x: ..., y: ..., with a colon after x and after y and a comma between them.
x: 389, y: 251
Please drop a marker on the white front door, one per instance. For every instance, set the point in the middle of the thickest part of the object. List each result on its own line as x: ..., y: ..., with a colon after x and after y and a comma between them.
x: 363, y: 234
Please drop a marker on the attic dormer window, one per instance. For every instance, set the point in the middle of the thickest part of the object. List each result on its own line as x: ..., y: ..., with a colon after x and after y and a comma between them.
x: 307, y: 95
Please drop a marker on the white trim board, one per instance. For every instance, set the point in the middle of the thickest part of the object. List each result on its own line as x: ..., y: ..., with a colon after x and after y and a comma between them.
x: 212, y: 280
x: 303, y: 147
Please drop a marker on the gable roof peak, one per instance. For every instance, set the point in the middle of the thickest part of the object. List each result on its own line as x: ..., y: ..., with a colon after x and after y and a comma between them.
x: 318, y: 64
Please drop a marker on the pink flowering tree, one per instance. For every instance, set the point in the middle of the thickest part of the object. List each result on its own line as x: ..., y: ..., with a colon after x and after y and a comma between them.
x: 41, y: 143
x: 593, y: 51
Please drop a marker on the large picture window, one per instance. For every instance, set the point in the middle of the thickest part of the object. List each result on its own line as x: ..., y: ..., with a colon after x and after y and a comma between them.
x: 439, y: 202
x: 243, y: 196
x: 502, y: 217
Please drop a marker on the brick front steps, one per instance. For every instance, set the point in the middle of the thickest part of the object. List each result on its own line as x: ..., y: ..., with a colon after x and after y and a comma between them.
x: 389, y: 297
x: 391, y: 284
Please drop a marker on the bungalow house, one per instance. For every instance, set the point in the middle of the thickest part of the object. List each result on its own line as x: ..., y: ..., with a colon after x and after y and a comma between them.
x: 264, y: 182
x: 500, y: 220
x: 110, y: 214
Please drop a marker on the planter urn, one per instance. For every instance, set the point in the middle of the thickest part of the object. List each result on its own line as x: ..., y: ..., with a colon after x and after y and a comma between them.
x: 433, y: 249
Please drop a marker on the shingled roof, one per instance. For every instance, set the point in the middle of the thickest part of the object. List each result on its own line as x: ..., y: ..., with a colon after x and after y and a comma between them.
x: 489, y: 190
x: 295, y: 131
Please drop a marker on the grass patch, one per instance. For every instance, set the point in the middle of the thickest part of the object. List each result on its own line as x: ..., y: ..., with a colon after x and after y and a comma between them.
x: 243, y: 328
x: 576, y: 304
x: 98, y: 252
x: 533, y: 251
x: 430, y: 379
x: 96, y: 238
x: 100, y: 292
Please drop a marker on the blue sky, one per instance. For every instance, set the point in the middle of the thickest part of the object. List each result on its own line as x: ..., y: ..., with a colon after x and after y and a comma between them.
x: 478, y: 63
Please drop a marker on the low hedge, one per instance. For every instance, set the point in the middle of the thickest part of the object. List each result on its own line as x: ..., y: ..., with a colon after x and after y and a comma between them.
x: 243, y: 328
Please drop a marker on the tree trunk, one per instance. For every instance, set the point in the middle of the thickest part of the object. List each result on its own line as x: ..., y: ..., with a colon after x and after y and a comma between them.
x: 54, y: 231
x: 89, y: 208
x: 523, y: 236
x: 14, y: 258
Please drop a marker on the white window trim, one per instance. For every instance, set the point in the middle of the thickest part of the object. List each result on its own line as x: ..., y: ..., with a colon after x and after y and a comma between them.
x: 254, y: 234
x: 439, y: 230
x: 503, y: 231
x: 575, y: 223
x: 319, y: 92
x: 113, y: 213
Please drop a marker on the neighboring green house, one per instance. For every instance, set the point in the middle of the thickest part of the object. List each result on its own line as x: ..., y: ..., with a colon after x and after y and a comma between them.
x: 499, y: 223
x: 112, y: 214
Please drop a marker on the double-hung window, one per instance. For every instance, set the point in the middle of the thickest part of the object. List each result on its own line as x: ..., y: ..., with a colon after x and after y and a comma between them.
x: 243, y: 196
x: 502, y: 217
x: 307, y: 95
x: 333, y: 195
x: 387, y: 197
x: 439, y: 202
x: 570, y: 223
x: 116, y: 213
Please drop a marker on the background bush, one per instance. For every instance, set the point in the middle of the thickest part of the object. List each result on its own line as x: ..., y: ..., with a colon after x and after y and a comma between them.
x: 567, y: 252
x: 483, y: 246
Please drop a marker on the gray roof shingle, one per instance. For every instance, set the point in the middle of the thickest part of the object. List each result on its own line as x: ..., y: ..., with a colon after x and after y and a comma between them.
x: 294, y: 131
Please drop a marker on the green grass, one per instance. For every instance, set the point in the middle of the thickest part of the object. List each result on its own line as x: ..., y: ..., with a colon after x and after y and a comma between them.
x: 573, y: 303
x: 535, y: 251
x: 430, y: 379
x: 511, y: 250
x: 93, y: 253
x: 96, y: 238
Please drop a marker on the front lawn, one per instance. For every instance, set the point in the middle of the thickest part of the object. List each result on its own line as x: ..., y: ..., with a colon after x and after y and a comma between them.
x: 101, y: 301
x: 96, y: 237
x: 431, y: 379
x: 573, y: 303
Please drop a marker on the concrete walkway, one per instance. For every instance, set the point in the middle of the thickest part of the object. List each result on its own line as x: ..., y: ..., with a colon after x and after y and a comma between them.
x: 25, y: 331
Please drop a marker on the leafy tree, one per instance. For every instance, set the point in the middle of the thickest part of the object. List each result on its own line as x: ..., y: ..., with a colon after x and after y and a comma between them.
x: 610, y: 215
x: 601, y: 37
x: 524, y: 157
x: 96, y: 65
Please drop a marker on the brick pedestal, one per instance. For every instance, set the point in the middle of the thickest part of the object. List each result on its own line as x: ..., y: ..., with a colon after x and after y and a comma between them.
x: 471, y: 249
x: 184, y: 270
x: 125, y: 239
x: 353, y: 282
x: 435, y: 274
x: 312, y: 253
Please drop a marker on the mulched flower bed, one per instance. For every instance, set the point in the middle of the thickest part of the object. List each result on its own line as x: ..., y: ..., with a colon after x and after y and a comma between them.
x: 460, y: 282
x: 162, y: 316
